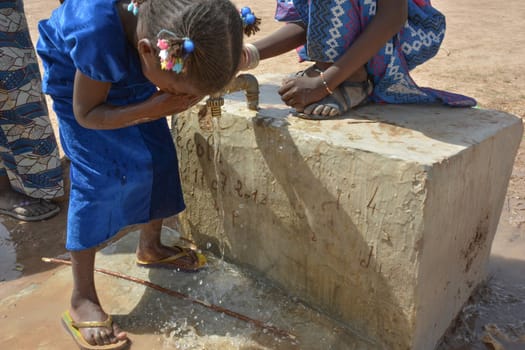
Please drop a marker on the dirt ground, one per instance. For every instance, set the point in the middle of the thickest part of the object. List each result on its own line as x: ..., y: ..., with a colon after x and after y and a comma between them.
x: 482, y: 56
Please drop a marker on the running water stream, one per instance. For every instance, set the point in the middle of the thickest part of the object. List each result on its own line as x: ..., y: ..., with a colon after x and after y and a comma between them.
x: 220, y: 231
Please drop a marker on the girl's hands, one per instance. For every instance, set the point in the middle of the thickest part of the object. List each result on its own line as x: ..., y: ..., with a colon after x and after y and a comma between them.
x: 92, y: 112
x: 299, y: 92
x: 172, y: 103
x: 165, y: 104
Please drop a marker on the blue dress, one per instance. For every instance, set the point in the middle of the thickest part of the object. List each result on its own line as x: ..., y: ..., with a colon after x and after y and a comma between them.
x: 333, y: 25
x: 118, y: 177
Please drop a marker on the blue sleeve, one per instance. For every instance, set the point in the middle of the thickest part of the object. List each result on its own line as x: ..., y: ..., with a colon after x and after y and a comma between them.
x: 96, y: 41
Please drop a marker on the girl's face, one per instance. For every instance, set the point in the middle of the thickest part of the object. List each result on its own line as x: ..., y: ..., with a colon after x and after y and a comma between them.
x: 166, y: 81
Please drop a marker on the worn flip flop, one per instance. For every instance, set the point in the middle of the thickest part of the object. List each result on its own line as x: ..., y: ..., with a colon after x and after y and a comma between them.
x: 174, y: 262
x: 306, y: 71
x: 52, y: 208
x: 73, y: 328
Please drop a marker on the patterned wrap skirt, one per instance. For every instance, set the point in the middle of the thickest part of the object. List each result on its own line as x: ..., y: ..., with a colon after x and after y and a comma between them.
x: 28, y: 149
x: 333, y: 25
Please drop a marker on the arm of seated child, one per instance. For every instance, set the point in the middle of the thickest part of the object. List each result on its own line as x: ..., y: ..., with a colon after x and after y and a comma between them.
x: 390, y: 17
x: 284, y: 39
x: 92, y: 112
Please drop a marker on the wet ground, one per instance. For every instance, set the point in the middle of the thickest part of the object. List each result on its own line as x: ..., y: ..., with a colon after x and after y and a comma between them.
x: 494, y: 317
x: 276, y: 320
x: 32, y: 298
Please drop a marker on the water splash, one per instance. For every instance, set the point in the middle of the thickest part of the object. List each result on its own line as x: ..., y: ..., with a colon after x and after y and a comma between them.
x: 188, y: 326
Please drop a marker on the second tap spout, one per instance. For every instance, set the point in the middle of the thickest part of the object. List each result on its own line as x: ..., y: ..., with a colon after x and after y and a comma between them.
x: 246, y: 82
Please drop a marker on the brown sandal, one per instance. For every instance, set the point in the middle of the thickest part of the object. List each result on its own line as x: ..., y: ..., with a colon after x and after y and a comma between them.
x: 346, y: 96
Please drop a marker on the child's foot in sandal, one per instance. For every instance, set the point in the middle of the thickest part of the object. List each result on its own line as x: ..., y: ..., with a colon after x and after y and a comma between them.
x: 175, y: 258
x: 346, y: 96
x: 97, y: 332
x: 25, y: 208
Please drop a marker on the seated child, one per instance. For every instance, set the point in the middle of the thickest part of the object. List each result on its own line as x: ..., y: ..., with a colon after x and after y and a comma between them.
x: 363, y: 50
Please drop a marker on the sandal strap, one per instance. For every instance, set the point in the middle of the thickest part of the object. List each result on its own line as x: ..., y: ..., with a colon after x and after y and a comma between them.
x: 183, y: 253
x: 171, y: 258
x: 26, y: 203
x: 93, y: 324
x: 305, y: 71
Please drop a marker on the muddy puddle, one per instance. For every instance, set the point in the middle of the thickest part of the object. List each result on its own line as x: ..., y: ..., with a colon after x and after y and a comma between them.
x: 9, y: 267
x: 493, y: 319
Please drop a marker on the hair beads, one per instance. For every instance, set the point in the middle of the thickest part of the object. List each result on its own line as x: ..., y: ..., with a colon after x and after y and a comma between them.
x: 173, y: 51
x: 134, y: 6
x: 215, y: 28
x: 250, y: 22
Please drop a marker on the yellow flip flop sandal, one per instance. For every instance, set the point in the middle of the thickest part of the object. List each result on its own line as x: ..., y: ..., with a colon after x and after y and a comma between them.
x: 174, y: 261
x: 73, y: 328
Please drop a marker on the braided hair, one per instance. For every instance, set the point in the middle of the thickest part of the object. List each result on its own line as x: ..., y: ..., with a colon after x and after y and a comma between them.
x: 214, y: 27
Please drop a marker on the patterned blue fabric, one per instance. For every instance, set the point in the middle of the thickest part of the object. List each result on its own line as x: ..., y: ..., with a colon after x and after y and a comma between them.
x: 118, y: 177
x: 285, y: 11
x: 28, y: 150
x: 333, y: 25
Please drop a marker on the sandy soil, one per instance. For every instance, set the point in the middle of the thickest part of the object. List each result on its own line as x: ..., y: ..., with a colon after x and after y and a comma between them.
x: 482, y: 56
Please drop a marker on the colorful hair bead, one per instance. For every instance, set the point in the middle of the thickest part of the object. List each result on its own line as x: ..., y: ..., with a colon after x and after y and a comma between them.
x: 188, y: 46
x: 162, y: 44
x: 173, y: 51
x: 250, y: 22
x: 245, y: 10
x: 134, y: 6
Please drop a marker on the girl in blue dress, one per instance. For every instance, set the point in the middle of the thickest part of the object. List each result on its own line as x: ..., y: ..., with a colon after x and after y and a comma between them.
x: 362, y: 49
x: 114, y: 69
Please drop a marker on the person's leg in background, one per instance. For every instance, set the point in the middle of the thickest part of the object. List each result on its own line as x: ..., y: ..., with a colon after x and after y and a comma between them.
x: 30, y: 169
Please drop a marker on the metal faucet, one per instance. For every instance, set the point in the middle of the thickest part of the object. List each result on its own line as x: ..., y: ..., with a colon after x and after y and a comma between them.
x: 246, y: 82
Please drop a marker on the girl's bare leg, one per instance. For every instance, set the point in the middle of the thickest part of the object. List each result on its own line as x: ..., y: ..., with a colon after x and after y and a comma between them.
x: 85, y: 305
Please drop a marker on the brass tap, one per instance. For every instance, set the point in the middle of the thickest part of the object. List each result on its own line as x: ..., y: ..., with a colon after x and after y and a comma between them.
x: 214, y: 104
x: 246, y: 82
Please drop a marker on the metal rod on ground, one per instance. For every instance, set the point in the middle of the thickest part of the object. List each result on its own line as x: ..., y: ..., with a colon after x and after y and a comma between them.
x: 179, y: 295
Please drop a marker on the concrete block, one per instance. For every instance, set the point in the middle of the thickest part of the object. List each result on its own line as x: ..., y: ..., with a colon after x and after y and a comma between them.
x: 383, y: 219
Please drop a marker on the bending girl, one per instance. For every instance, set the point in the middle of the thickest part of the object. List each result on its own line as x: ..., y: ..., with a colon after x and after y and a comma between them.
x: 114, y: 69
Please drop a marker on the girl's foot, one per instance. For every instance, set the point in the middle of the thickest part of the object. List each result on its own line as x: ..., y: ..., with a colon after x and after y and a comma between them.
x: 176, y: 258
x: 94, y: 325
x: 353, y: 92
x: 346, y: 96
x: 152, y: 253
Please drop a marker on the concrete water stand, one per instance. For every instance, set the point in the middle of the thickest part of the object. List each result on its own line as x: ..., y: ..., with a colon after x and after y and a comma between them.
x: 383, y: 219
